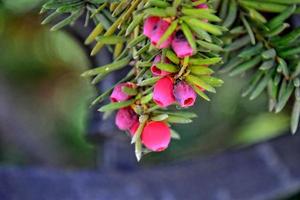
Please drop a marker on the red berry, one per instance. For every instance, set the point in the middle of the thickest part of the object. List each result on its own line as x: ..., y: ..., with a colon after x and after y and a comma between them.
x: 156, y: 136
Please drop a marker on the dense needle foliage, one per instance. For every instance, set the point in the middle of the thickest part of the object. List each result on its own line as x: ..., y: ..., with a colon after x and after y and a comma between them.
x: 175, y: 48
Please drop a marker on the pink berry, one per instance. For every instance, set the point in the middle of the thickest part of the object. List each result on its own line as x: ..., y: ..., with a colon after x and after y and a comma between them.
x: 163, y: 92
x: 156, y: 136
x: 125, y: 118
x: 184, y: 94
x: 181, y: 46
x: 118, y: 95
x: 158, y: 31
x: 149, y: 25
x: 156, y: 71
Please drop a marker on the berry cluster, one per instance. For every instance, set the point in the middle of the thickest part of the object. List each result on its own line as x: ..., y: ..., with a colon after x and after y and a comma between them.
x: 175, y: 75
x: 171, y: 46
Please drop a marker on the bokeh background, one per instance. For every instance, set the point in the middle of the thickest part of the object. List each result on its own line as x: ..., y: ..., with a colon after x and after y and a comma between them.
x: 44, y: 103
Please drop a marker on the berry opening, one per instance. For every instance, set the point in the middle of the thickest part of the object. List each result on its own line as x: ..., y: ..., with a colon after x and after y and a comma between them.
x: 188, y: 101
x: 113, y: 99
x: 155, y: 70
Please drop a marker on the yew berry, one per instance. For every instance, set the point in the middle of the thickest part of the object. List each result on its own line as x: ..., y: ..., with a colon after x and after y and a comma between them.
x: 149, y: 25
x: 163, y: 92
x: 156, y: 71
x: 184, y: 94
x: 126, y: 118
x: 181, y: 46
x: 156, y: 136
x: 154, y: 29
x: 118, y: 95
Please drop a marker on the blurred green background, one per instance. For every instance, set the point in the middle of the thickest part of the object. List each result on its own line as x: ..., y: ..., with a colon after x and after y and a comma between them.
x: 44, y: 101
